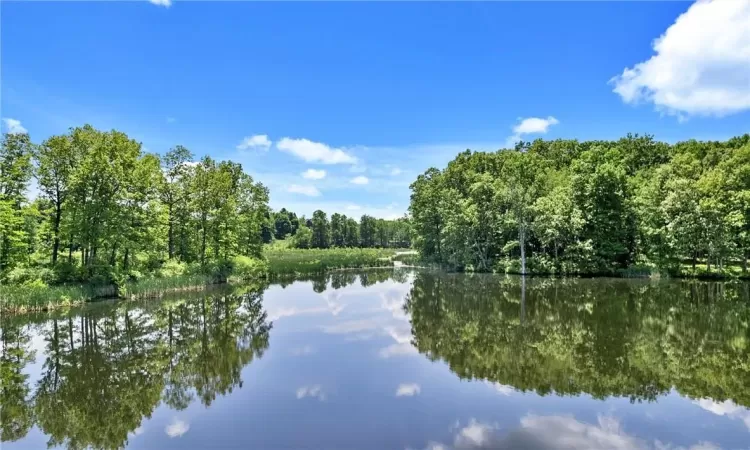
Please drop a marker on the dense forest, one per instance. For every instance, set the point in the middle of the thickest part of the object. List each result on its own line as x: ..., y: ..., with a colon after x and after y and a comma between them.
x: 571, y: 207
x: 106, y: 211
x: 340, y: 231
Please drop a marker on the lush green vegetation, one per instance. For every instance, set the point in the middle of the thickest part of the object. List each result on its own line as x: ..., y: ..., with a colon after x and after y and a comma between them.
x: 603, y: 337
x: 111, y: 218
x: 290, y: 261
x: 341, y: 231
x: 595, y: 207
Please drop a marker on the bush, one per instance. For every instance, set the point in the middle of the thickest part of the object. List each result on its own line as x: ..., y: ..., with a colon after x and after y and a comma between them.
x: 172, y: 268
x: 66, y: 272
x: 244, y: 267
x: 28, y: 276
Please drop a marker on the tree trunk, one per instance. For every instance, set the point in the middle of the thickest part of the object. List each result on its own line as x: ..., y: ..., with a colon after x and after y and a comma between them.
x: 113, y: 255
x: 695, y: 260
x: 522, y: 243
x: 70, y: 253
x: 125, y: 260
x: 171, y: 233
x: 56, y: 229
x: 523, y: 299
x: 744, y: 263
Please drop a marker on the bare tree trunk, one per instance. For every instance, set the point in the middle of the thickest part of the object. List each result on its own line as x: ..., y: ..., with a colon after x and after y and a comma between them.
x: 56, y: 230
x: 522, y: 243
x: 171, y: 233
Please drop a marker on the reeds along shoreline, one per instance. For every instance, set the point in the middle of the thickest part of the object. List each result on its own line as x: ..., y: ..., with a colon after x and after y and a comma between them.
x: 22, y: 299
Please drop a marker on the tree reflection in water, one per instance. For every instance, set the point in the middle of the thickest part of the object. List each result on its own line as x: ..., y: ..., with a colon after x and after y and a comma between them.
x: 602, y: 337
x: 109, y: 367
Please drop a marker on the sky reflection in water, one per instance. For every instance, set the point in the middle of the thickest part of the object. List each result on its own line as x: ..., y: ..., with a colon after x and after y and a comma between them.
x: 385, y: 359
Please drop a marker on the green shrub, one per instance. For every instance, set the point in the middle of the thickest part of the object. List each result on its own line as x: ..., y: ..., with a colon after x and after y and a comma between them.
x: 244, y: 267
x: 65, y: 272
x: 172, y: 268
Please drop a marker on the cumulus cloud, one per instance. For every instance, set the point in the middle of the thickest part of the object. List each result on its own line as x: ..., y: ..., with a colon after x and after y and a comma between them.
x: 502, y: 388
x: 312, y: 174
x: 353, y: 207
x: 13, y: 126
x: 555, y: 433
x: 395, y: 171
x: 360, y: 180
x: 176, y: 428
x: 701, y: 64
x: 726, y: 408
x: 315, y: 152
x: 314, y: 391
x: 310, y: 191
x: 164, y: 3
x: 408, y: 390
x: 255, y: 142
x: 402, y: 349
x: 530, y: 125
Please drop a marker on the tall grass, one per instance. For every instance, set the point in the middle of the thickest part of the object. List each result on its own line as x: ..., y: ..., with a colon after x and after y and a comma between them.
x: 286, y: 261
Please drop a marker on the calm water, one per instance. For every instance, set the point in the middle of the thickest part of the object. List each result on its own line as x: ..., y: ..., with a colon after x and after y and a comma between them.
x: 389, y: 360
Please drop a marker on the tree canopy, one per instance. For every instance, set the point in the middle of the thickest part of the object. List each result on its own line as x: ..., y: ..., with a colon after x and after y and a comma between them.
x: 565, y: 206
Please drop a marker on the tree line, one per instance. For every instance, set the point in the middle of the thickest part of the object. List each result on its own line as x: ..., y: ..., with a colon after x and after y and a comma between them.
x: 565, y: 206
x: 106, y: 206
x: 339, y: 231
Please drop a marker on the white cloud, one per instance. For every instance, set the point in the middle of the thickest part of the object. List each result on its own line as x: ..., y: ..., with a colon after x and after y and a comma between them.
x: 310, y: 151
x: 311, y: 391
x: 310, y: 191
x: 502, y: 388
x: 408, y: 390
x: 353, y: 207
x: 701, y: 64
x: 255, y: 142
x: 13, y: 126
x: 171, y: 120
x: 176, y: 428
x: 726, y: 408
x: 531, y: 125
x: 402, y: 349
x: 395, y: 171
x: 360, y: 180
x: 556, y: 433
x: 312, y: 174
x: 165, y: 3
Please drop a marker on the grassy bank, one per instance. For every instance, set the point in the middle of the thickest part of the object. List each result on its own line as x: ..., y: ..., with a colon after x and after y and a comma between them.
x: 21, y: 299
x: 172, y: 277
x: 176, y: 277
x: 291, y: 261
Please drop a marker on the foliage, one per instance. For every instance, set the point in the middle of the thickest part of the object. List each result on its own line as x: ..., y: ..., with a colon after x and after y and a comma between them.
x: 108, y: 212
x: 320, y: 260
x: 598, y: 207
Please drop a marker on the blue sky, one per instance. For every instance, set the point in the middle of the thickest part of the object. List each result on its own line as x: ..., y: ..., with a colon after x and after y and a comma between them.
x: 372, y: 94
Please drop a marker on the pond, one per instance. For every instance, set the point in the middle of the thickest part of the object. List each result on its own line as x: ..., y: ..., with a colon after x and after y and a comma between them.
x: 389, y: 359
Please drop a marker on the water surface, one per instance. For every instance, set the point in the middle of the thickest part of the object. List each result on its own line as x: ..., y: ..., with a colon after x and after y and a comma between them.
x: 389, y: 359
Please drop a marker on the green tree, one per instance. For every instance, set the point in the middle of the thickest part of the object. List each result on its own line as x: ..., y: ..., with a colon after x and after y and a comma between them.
x: 321, y: 230
x: 338, y: 230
